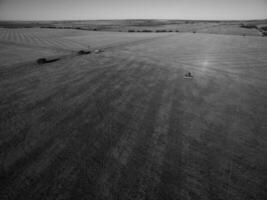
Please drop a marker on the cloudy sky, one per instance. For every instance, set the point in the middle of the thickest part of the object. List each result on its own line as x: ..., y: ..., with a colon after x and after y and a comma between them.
x: 132, y: 9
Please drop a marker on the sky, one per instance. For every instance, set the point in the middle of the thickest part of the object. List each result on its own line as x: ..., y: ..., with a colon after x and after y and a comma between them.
x: 132, y: 9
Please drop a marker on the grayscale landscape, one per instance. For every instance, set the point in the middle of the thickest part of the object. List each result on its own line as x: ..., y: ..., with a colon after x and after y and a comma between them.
x: 133, y: 110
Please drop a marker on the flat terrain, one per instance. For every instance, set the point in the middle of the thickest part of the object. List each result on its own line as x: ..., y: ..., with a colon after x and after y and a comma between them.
x: 125, y: 123
x: 22, y: 45
x: 251, y: 27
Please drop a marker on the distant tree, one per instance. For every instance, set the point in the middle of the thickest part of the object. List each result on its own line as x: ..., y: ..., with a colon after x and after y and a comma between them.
x: 41, y: 61
x: 161, y: 31
x: 249, y: 26
x: 83, y: 52
x: 147, y: 31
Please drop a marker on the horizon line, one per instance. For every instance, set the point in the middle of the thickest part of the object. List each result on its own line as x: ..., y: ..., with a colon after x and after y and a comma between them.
x: 124, y: 19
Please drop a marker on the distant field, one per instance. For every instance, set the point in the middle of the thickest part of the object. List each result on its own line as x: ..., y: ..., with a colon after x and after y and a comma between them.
x: 125, y: 123
x: 17, y: 45
x: 252, y: 28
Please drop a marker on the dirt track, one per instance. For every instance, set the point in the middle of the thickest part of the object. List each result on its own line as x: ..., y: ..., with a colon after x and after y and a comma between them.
x: 125, y: 124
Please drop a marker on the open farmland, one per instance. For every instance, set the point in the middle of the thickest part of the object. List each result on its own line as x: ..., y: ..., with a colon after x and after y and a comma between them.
x: 125, y: 123
x: 251, y: 27
x: 17, y: 45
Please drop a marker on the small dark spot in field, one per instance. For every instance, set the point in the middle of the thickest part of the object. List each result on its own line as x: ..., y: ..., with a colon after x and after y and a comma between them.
x: 41, y: 61
x: 84, y: 52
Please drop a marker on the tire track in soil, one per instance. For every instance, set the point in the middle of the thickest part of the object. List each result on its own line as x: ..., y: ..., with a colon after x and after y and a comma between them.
x: 93, y: 81
x: 129, y: 96
x: 129, y: 116
x: 44, y: 102
x: 172, y: 171
x: 122, y: 151
x: 123, y: 84
x: 103, y: 92
x: 88, y: 72
x: 219, y: 147
x: 150, y: 173
x: 192, y: 155
x: 33, y: 155
x: 95, y: 163
x: 76, y: 170
x: 128, y: 183
x: 120, y: 154
x: 25, y: 161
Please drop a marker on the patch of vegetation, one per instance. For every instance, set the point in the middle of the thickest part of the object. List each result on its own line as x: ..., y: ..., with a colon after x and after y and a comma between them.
x: 41, y: 61
x: 248, y: 26
x: 84, y: 52
x: 147, y: 31
x: 49, y: 27
x: 161, y: 31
